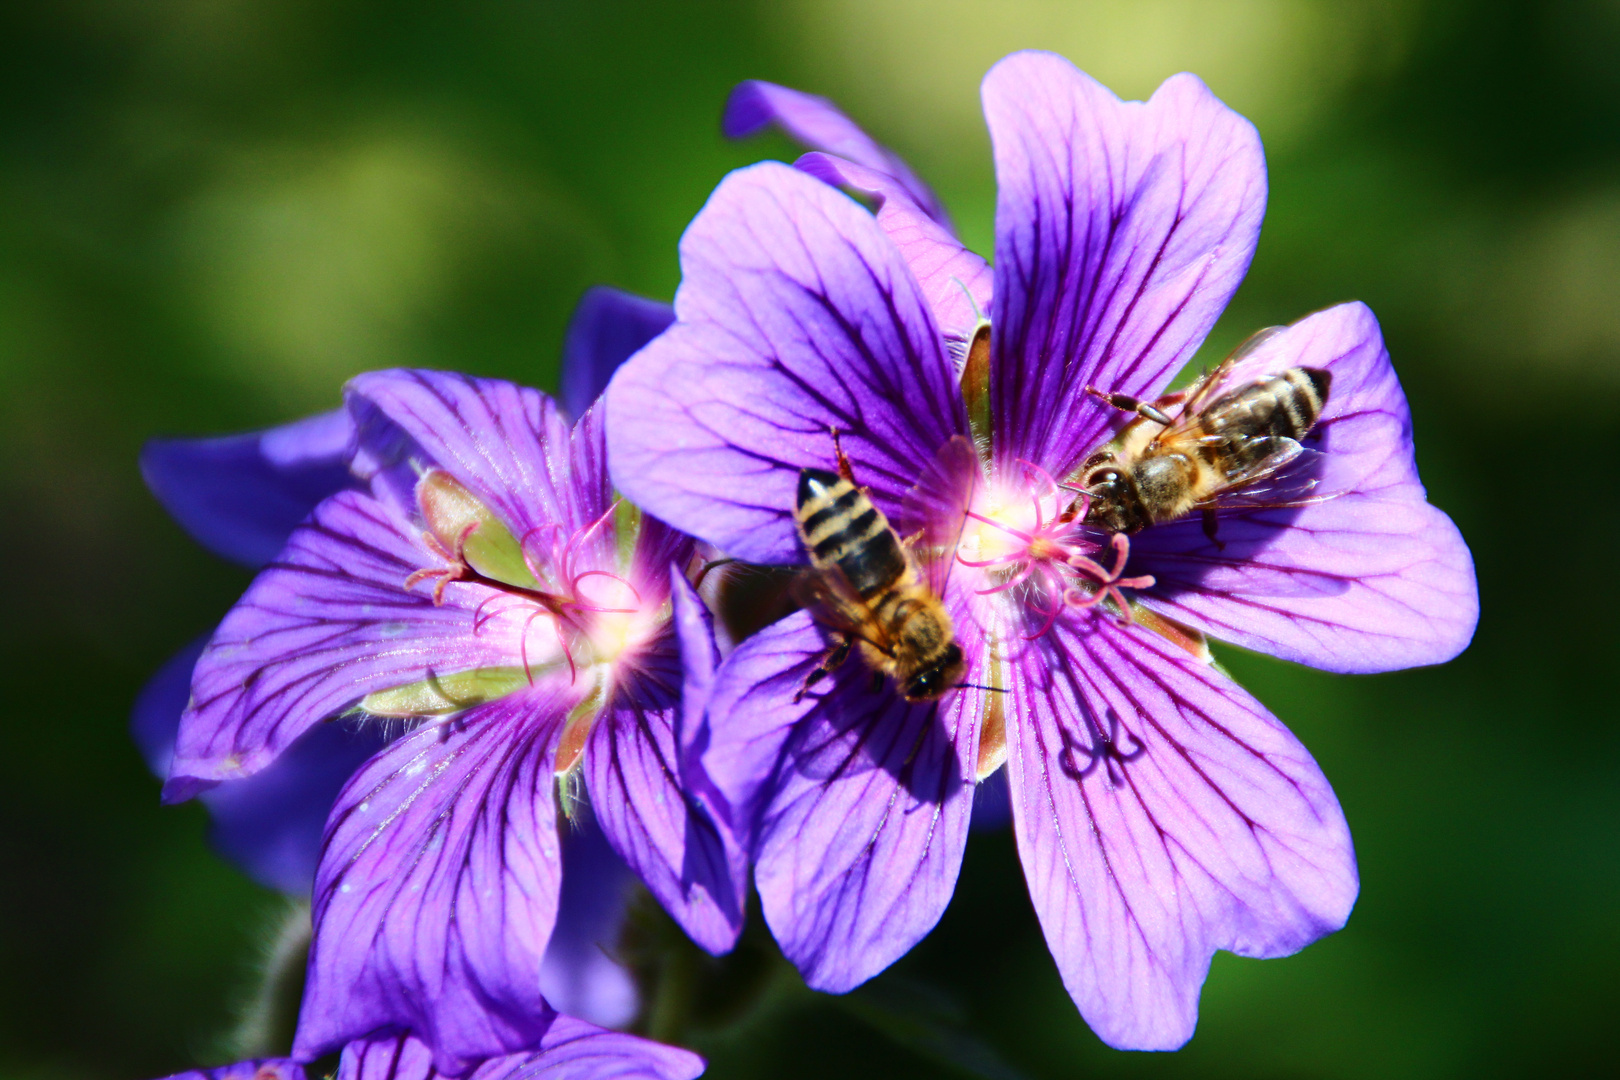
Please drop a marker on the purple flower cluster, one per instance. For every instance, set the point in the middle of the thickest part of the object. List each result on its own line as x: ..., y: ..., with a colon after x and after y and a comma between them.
x: 454, y: 562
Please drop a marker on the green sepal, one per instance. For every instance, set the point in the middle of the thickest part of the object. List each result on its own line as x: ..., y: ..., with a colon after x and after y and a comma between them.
x: 439, y: 695
x: 466, y: 527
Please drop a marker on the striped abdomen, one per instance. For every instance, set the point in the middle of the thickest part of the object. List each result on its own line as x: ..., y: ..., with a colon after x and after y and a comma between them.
x: 840, y: 527
x: 1286, y: 405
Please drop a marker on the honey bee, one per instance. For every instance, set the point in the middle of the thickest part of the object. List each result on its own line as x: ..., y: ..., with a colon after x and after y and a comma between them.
x: 1164, y: 467
x: 866, y: 584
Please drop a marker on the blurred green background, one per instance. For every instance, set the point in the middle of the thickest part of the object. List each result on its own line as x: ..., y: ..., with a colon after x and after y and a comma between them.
x: 212, y: 212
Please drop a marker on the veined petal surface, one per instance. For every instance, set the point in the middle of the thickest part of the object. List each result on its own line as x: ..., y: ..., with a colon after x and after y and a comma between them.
x: 1122, y: 230
x: 437, y: 890
x: 1162, y: 813
x: 324, y: 625
x: 956, y: 281
x: 863, y: 801
x: 239, y: 496
x: 570, y: 1049
x: 796, y: 316
x: 509, y: 445
x: 1364, y: 575
x: 635, y: 772
x: 607, y: 328
x: 818, y: 124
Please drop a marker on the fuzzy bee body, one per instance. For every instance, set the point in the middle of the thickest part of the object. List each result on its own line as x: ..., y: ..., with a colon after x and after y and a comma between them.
x: 867, y: 586
x: 1164, y: 469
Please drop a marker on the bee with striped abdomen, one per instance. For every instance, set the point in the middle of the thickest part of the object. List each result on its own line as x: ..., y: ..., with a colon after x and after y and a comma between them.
x: 866, y: 585
x: 1163, y: 468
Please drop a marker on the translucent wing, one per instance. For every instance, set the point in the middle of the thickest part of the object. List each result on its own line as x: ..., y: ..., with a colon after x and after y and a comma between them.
x: 1288, y: 476
x: 935, y: 510
x: 838, y: 607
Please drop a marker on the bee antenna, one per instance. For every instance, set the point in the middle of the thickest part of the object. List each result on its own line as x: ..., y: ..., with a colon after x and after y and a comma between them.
x: 980, y: 686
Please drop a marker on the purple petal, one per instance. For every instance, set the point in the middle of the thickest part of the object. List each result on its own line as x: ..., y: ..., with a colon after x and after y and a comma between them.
x: 509, y: 445
x: 863, y: 801
x: 570, y: 1049
x: 796, y: 316
x: 818, y: 124
x: 268, y: 824
x: 262, y: 1069
x: 155, y: 719
x: 992, y: 804
x: 1370, y: 578
x: 607, y: 328
x: 1162, y: 813
x: 1122, y: 230
x: 326, y: 624
x: 241, y: 495
x: 579, y: 974
x: 956, y: 281
x: 634, y: 772
x: 438, y: 887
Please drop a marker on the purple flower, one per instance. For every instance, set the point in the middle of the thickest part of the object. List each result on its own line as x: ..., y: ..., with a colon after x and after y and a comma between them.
x: 567, y: 1049
x: 1161, y: 812
x: 514, y: 646
x: 489, y: 582
x: 241, y: 496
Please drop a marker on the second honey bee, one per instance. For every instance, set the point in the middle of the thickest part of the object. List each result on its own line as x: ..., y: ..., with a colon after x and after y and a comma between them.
x: 866, y: 585
x: 1164, y: 467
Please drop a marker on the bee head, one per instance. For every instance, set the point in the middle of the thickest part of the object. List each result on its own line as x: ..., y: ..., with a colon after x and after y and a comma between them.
x: 932, y: 681
x: 1116, y: 504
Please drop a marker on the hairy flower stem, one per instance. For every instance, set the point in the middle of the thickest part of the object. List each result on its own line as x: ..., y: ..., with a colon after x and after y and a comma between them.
x: 269, y: 1016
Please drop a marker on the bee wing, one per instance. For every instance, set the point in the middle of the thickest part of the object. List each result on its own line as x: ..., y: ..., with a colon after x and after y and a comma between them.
x: 1285, y: 476
x: 936, y: 507
x: 828, y: 592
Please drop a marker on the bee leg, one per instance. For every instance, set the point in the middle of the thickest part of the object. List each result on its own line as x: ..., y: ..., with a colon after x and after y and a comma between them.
x: 1211, y: 524
x: 844, y: 469
x: 877, y: 683
x: 830, y: 662
x: 1126, y: 403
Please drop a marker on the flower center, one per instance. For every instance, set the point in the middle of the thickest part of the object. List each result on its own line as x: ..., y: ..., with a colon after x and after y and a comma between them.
x: 1026, y: 540
x: 547, y: 590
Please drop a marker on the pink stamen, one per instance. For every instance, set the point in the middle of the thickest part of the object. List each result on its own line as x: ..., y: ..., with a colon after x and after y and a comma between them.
x: 1020, y: 533
x: 1108, y: 583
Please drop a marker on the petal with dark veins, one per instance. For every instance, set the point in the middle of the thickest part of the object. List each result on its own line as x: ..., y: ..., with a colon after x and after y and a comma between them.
x: 796, y: 317
x: 438, y: 885
x: 1122, y: 229
x: 1162, y: 813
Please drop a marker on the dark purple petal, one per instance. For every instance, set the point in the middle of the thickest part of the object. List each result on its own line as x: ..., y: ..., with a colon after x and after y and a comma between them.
x: 796, y: 316
x: 570, y: 1049
x: 992, y: 804
x: 1368, y: 578
x: 1122, y: 230
x: 262, y: 1069
x: 635, y: 770
x: 579, y: 974
x: 270, y: 823
x: 818, y: 124
x: 956, y: 281
x: 608, y: 326
x: 438, y: 887
x: 862, y: 810
x: 155, y: 719
x: 320, y: 628
x: 1162, y: 813
x: 509, y: 445
x: 241, y: 495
